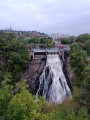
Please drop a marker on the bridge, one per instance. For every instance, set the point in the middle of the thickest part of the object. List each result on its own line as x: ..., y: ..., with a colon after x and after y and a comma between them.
x: 42, y: 53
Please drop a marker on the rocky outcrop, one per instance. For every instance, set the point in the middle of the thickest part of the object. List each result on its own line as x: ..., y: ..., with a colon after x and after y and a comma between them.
x: 68, y: 71
x: 32, y: 74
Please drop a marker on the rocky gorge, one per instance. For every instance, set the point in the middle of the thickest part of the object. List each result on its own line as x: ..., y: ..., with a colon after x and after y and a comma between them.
x: 36, y: 67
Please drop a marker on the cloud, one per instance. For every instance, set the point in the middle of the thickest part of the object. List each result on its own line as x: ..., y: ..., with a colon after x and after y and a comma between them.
x: 50, y: 16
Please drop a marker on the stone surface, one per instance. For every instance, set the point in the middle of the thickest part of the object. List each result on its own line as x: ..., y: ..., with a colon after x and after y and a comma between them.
x: 68, y: 71
x: 33, y: 73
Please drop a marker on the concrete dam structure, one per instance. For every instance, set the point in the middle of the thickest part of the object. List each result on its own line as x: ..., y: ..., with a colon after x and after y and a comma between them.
x: 42, y: 53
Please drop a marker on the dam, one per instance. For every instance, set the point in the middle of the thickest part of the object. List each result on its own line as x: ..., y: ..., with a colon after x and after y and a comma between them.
x: 52, y: 82
x: 42, y: 53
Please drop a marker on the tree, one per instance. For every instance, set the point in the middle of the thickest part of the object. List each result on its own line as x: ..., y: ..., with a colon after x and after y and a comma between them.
x: 64, y: 40
x: 82, y: 38
x: 84, y: 41
x: 6, y: 94
x: 24, y: 106
x: 71, y: 39
x: 15, y: 54
x: 87, y: 43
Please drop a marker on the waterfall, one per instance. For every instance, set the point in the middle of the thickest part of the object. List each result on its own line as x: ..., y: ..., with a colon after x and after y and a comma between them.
x: 52, y: 83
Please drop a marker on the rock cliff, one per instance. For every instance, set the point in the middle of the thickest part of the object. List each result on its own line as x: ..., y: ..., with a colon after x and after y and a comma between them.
x: 32, y: 74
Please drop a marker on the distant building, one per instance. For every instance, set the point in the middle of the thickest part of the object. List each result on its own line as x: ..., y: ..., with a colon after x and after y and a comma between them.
x: 58, y: 36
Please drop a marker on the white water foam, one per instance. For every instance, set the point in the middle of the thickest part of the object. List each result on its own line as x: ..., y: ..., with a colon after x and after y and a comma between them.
x: 53, y: 85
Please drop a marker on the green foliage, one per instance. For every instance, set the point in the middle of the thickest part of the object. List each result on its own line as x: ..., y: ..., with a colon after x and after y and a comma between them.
x: 16, y: 103
x: 87, y: 43
x: 82, y: 72
x: 21, y: 106
x: 78, y: 61
x: 64, y: 40
x: 16, y: 54
x: 5, y: 96
x: 69, y: 40
x: 24, y: 106
x: 84, y: 42
x: 82, y: 38
x: 69, y: 114
x: 11, y: 36
x: 41, y: 42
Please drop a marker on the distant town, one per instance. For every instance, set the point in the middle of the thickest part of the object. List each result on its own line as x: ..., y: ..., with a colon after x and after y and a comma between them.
x: 32, y: 34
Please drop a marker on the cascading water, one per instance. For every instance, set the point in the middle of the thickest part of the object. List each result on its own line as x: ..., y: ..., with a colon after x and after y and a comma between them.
x: 53, y: 85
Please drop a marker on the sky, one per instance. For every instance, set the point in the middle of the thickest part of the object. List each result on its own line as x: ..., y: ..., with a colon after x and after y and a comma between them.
x: 70, y: 17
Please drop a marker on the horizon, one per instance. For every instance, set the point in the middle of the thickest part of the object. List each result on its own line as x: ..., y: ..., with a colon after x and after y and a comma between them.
x: 70, y: 17
x: 56, y: 34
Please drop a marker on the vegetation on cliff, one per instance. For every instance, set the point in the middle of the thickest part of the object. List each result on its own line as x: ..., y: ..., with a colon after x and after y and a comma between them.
x: 79, y: 62
x: 14, y: 56
x: 16, y: 103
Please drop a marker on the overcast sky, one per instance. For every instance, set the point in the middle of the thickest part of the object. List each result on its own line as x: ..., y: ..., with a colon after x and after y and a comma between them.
x: 49, y: 16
